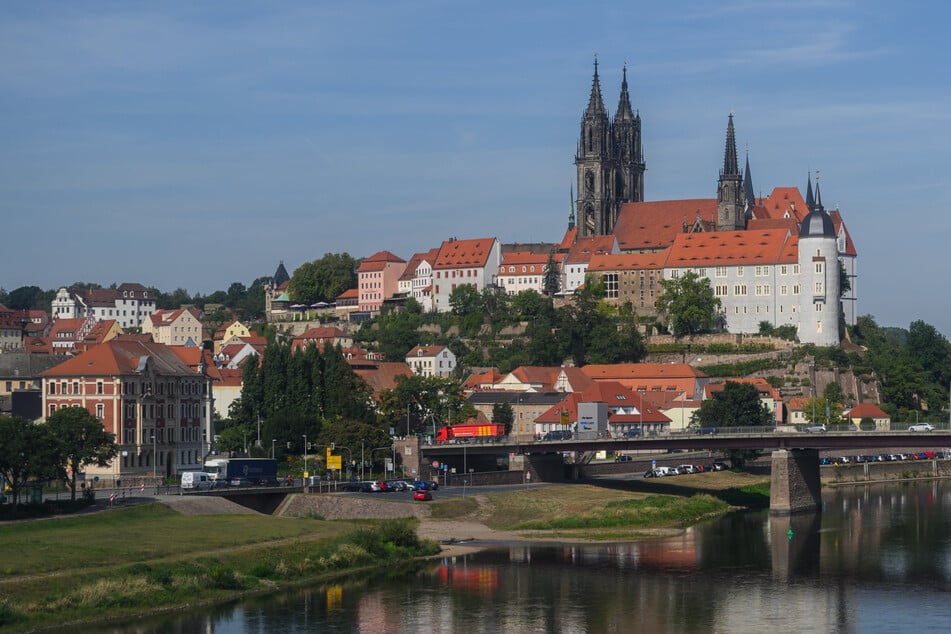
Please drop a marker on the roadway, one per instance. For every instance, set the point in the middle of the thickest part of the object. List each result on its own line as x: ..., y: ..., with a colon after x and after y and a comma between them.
x: 735, y: 438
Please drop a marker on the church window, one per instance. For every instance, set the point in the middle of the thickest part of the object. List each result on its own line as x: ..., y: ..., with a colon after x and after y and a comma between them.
x: 819, y: 268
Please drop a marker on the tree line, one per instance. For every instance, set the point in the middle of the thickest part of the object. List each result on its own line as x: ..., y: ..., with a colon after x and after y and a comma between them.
x: 61, y: 448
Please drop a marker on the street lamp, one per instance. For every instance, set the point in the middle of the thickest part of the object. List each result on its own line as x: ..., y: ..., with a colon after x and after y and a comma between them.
x: 154, y: 457
x: 304, y: 436
x: 273, y: 441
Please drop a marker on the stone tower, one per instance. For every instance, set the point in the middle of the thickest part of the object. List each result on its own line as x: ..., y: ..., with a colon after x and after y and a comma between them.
x: 731, y: 203
x: 818, y: 275
x: 609, y: 161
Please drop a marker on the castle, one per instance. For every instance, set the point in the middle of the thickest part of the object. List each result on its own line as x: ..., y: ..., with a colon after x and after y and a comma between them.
x: 781, y: 259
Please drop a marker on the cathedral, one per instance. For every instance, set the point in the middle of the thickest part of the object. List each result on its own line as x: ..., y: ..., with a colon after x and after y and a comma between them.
x: 781, y: 259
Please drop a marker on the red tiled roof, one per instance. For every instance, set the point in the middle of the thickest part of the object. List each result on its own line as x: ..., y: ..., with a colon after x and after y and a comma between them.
x: 378, y: 261
x: 651, y: 226
x: 628, y: 261
x: 784, y: 201
x: 350, y: 293
x: 425, y: 351
x: 866, y: 410
x: 454, y: 254
x: 587, y: 246
x: 120, y: 357
x: 722, y: 248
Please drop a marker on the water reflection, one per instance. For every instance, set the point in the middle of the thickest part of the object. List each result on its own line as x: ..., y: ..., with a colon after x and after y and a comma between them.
x: 876, y: 559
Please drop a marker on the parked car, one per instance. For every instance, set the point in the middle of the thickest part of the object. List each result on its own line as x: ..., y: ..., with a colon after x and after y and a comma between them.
x: 632, y: 433
x: 688, y: 468
x: 921, y: 427
x: 661, y: 472
x: 422, y: 495
x: 815, y: 429
x: 622, y: 458
x: 557, y: 435
x: 709, y: 430
x: 396, y: 485
x: 719, y: 466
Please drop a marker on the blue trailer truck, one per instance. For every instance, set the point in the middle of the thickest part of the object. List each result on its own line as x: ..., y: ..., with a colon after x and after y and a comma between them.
x: 242, y: 471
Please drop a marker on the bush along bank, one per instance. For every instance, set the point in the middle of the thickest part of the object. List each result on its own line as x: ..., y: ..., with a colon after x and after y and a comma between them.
x: 144, y: 588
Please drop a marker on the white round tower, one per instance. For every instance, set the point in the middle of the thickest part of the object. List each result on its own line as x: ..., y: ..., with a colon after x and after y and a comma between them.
x: 819, y: 306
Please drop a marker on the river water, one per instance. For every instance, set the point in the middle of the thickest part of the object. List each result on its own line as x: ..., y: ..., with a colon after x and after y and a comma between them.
x: 877, y: 559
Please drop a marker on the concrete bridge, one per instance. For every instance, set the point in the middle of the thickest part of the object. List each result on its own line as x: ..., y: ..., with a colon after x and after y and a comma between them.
x: 795, y: 482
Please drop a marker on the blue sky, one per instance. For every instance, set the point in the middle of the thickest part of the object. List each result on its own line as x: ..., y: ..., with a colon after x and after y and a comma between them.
x: 183, y: 144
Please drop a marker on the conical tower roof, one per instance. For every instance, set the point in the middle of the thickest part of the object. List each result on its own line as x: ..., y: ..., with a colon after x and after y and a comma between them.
x: 595, y: 102
x: 624, y: 110
x: 730, y: 164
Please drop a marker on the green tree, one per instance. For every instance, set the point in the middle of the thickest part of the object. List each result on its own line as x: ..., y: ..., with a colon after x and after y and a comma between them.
x: 323, y: 279
x: 552, y: 280
x: 689, y: 303
x: 465, y: 300
x: 28, y: 451
x: 736, y: 405
x: 822, y: 411
x: 503, y: 414
x: 81, y: 441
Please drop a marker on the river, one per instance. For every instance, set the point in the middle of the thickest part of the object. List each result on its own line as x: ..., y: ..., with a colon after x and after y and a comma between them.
x: 877, y: 559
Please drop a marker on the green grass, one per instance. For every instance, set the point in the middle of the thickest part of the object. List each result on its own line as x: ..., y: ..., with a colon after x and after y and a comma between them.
x: 453, y: 508
x: 653, y: 511
x: 136, y: 533
x: 139, y: 559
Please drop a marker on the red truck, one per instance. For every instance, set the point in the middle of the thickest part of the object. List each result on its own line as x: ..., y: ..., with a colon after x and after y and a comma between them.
x: 480, y: 433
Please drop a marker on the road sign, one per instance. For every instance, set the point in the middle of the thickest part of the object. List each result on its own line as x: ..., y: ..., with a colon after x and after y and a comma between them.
x: 435, y: 464
x: 334, y: 462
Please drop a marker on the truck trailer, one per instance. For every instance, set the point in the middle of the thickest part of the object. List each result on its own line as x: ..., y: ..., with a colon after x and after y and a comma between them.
x: 465, y: 433
x: 247, y: 471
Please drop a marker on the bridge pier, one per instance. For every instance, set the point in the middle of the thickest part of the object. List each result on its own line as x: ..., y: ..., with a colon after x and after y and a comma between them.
x: 795, y: 485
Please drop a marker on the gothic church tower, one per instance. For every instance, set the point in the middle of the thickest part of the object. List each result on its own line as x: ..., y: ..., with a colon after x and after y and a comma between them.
x: 731, y: 198
x: 609, y: 161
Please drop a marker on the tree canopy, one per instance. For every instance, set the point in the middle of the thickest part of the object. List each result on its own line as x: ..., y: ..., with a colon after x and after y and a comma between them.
x: 81, y: 441
x: 689, y: 303
x: 736, y: 405
x: 323, y: 279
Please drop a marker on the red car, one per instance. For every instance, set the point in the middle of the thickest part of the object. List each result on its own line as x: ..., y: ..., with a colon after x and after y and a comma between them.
x: 422, y: 494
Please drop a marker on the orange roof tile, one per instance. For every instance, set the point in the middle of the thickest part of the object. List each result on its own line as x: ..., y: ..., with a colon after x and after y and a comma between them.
x: 629, y: 261
x: 722, y: 248
x: 464, y: 253
x: 651, y: 226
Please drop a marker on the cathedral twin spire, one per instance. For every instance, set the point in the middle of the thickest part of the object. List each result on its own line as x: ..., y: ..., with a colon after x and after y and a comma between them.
x: 609, y: 161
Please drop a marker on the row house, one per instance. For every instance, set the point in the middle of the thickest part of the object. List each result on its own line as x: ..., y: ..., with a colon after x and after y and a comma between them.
x: 631, y: 279
x: 230, y: 330
x: 578, y: 259
x: 158, y: 407
x: 434, y: 360
x: 378, y: 279
x: 624, y: 411
x: 417, y: 279
x: 130, y: 304
x: 11, y: 328
x: 321, y: 337
x: 523, y: 271
x: 67, y: 335
x: 460, y: 262
x: 180, y: 327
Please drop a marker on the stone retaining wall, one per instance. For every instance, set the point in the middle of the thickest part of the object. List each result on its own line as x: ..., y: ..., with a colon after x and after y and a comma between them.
x: 332, y: 506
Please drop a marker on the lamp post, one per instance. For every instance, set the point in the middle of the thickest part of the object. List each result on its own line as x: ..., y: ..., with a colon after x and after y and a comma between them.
x: 154, y: 457
x: 273, y: 441
x: 304, y: 436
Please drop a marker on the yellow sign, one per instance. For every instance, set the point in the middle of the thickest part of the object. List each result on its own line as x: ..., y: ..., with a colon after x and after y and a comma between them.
x: 334, y: 462
x: 328, y: 456
x: 564, y: 417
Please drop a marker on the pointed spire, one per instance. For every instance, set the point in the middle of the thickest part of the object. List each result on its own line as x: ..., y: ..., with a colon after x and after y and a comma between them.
x: 595, y: 103
x: 748, y: 182
x: 819, y: 206
x: 571, y: 209
x: 810, y: 201
x: 730, y: 165
x: 624, y: 110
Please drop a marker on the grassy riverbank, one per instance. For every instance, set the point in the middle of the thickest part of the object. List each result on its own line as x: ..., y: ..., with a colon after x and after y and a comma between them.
x: 617, y: 510
x: 140, y: 559
x: 129, y: 561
